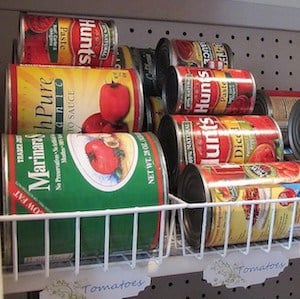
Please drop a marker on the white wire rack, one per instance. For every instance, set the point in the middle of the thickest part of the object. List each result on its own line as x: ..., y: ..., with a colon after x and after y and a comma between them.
x: 172, y: 241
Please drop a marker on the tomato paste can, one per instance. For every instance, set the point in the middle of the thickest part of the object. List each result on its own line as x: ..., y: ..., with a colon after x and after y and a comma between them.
x: 63, y: 40
x: 58, y: 99
x: 279, y: 104
x: 193, y: 90
x: 49, y: 173
x: 176, y: 52
x: 209, y: 139
x: 239, y: 182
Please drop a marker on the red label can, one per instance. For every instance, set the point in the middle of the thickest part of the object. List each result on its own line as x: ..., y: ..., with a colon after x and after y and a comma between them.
x: 193, y: 90
x: 208, y: 139
x: 67, y: 41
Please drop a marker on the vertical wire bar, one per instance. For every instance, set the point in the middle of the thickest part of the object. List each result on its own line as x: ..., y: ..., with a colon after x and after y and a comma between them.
x: 249, y: 232
x: 172, y: 230
x: 77, y: 245
x: 106, y: 242
x: 182, y: 232
x: 291, y: 233
x: 161, y: 235
x: 47, y: 247
x: 134, y: 239
x: 15, y: 249
x: 271, y: 228
x: 203, y: 232
x: 227, y: 230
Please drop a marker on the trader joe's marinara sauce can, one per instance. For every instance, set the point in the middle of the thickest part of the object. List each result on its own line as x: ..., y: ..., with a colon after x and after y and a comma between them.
x: 81, y: 172
x: 67, y: 41
x: 44, y: 99
x: 208, y: 139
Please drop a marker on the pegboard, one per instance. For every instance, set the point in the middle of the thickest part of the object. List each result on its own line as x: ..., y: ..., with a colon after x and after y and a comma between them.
x: 272, y: 56
x: 193, y: 286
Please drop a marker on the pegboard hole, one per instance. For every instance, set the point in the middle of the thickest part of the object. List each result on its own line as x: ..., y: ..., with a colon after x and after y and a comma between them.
x: 291, y: 57
x: 232, y: 37
x: 219, y: 293
x: 290, y: 41
x: 131, y: 30
x: 149, y: 31
x: 153, y: 287
x: 262, y: 55
x: 262, y: 39
x: 167, y: 32
x: 184, y: 33
x: 276, y: 56
x: 276, y: 40
x: 201, y: 34
x: 217, y: 35
x: 187, y: 281
x: 247, y: 37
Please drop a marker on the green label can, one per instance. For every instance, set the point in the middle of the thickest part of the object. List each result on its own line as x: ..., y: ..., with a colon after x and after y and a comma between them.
x: 81, y: 172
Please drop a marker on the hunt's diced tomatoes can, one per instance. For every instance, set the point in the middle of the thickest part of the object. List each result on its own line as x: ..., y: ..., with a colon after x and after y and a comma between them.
x: 48, y: 173
x: 57, y: 99
x: 193, y: 90
x: 209, y: 139
x: 226, y: 182
x: 67, y: 41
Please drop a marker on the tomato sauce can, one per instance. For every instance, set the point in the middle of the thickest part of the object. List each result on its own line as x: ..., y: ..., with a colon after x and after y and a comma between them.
x: 124, y: 58
x: 58, y: 99
x: 235, y: 182
x: 63, y: 40
x: 193, y: 90
x: 179, y: 52
x: 279, y: 104
x: 209, y: 139
x: 48, y: 173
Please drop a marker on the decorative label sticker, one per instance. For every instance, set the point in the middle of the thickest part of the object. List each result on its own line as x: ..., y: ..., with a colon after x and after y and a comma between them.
x: 239, y: 270
x: 97, y: 284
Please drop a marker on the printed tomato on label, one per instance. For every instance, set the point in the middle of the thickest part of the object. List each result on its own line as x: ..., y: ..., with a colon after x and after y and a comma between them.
x: 39, y: 24
x: 184, y: 49
x: 263, y: 153
x: 103, y: 158
x: 114, y: 102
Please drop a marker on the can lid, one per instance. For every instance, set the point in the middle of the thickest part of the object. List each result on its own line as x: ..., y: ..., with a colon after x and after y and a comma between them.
x: 294, y: 129
x: 168, y: 138
x: 162, y: 60
x: 262, y: 104
x: 192, y: 189
x: 148, y: 118
x: 170, y: 91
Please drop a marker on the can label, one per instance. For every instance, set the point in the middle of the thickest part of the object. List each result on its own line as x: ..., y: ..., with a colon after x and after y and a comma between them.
x: 282, y: 103
x: 202, y: 54
x: 251, y: 181
x: 235, y: 139
x: 206, y: 91
x: 67, y: 41
x: 73, y: 99
x: 262, y: 213
x: 80, y: 172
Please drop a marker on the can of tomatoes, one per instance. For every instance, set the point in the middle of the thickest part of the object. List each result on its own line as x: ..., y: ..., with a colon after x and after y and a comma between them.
x: 124, y: 58
x: 279, y: 104
x: 233, y: 182
x: 202, y: 54
x: 61, y: 40
x: 144, y: 59
x: 57, y: 99
x: 50, y: 173
x: 208, y: 139
x: 193, y: 90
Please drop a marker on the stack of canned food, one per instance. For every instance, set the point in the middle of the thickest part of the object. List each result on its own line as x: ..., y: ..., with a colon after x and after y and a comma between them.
x: 223, y: 141
x: 93, y: 125
x: 77, y: 140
